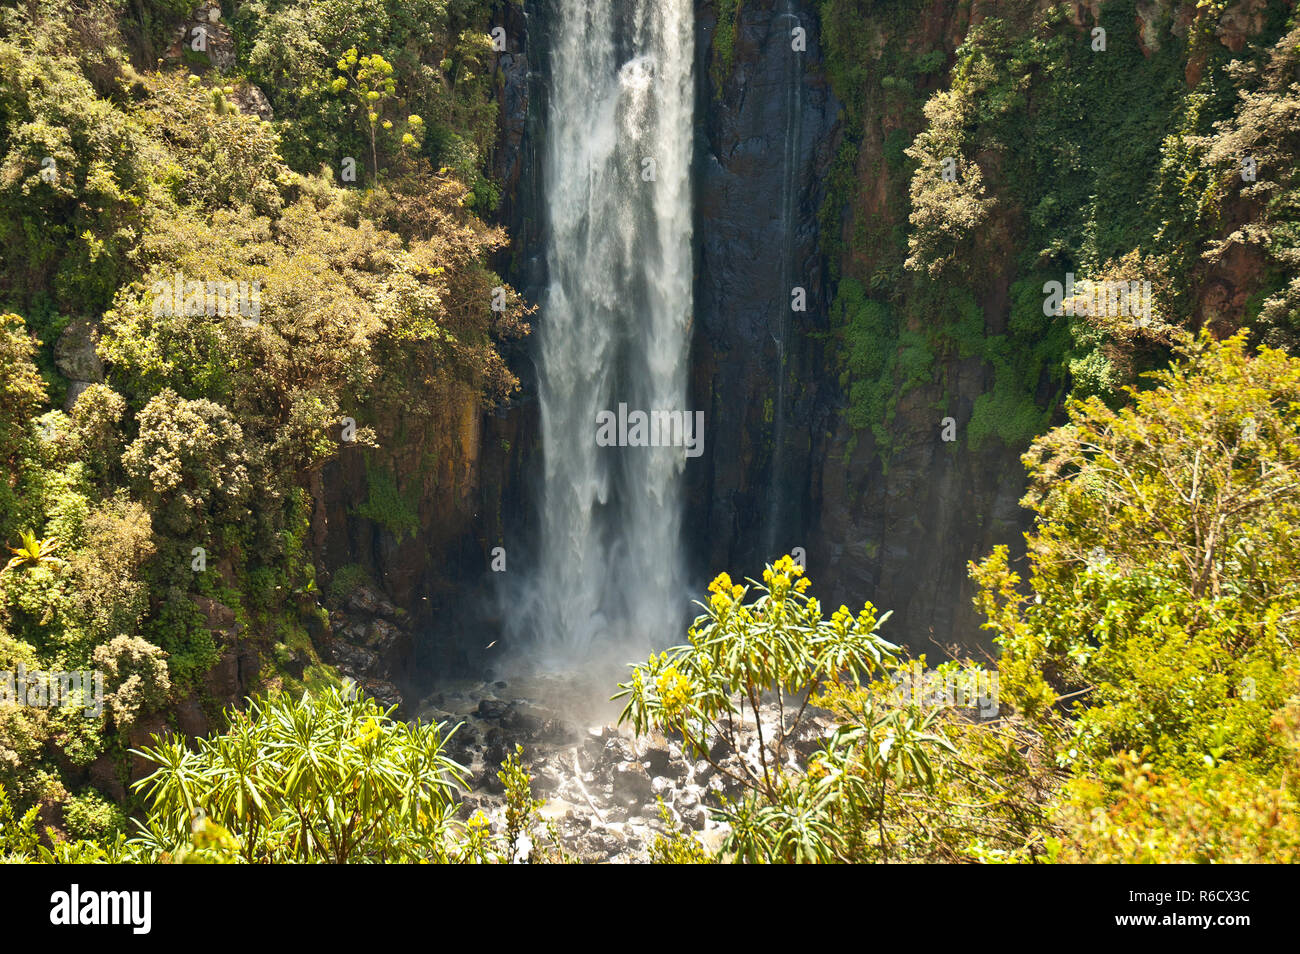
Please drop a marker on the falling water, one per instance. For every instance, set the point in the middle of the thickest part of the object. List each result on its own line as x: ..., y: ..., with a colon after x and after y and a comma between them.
x: 614, y: 321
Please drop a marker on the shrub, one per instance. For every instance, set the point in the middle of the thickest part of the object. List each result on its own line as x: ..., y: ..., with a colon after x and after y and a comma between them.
x: 136, y: 678
x: 189, y: 462
x: 1163, y: 566
x: 330, y: 777
x: 92, y: 817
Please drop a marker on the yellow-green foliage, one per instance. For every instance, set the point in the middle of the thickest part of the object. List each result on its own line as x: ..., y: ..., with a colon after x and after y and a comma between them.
x: 676, y: 845
x: 1153, y: 641
x: 1228, y: 814
x: 329, y: 778
x: 740, y: 651
x: 1164, y: 565
x: 897, y: 780
x: 116, y: 176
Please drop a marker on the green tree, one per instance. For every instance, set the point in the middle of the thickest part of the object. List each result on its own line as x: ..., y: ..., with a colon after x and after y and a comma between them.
x: 738, y: 653
x: 22, y: 394
x: 331, y: 777
x: 773, y: 657
x: 137, y: 681
x: 189, y: 461
x: 369, y: 80
x: 1163, y: 593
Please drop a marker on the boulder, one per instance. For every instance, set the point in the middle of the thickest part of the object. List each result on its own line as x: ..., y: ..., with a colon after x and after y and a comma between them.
x: 75, y: 355
x: 632, y: 784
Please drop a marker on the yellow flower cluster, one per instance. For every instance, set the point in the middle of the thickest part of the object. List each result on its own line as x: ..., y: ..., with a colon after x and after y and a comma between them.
x: 843, y: 618
x: 781, y: 574
x: 725, y: 593
x: 722, y: 584
x: 674, y: 692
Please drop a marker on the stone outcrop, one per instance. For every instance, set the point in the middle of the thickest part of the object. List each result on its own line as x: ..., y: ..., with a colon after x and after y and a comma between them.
x: 204, y: 34
x: 768, y: 126
x: 601, y: 785
x: 369, y: 642
x: 76, y: 358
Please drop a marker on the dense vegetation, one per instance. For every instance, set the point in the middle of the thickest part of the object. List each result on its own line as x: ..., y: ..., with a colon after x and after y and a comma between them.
x: 179, y: 474
x: 1115, y: 163
x: 1147, y: 692
x: 1145, y: 705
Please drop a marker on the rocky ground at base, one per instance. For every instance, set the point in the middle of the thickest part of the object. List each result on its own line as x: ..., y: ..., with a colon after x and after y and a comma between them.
x: 602, y: 785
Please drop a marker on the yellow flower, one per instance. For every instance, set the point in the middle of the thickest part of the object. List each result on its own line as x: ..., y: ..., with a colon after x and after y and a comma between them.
x: 724, y: 593
x: 780, y: 574
x: 674, y: 692
x: 817, y: 769
x: 841, y: 618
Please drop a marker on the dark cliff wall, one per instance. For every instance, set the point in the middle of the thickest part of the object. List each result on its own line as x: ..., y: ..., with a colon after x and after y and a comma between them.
x: 782, y: 467
x: 766, y: 129
x: 897, y: 522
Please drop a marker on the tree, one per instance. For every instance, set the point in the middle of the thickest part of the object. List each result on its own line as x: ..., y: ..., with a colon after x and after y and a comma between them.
x: 370, y: 80
x: 189, y: 462
x: 775, y: 656
x: 1252, y: 160
x: 740, y: 652
x: 948, y: 211
x: 331, y: 777
x: 95, y: 422
x: 136, y: 671
x: 1164, y: 570
x: 22, y: 392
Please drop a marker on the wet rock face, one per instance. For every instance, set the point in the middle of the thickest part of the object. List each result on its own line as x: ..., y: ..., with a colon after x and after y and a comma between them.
x: 767, y: 130
x: 903, y: 537
x: 77, y: 360
x: 516, y: 70
x: 602, y: 786
x: 898, y: 534
x: 369, y: 641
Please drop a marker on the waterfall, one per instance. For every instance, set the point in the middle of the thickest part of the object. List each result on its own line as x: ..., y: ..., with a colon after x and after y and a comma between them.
x: 614, y: 323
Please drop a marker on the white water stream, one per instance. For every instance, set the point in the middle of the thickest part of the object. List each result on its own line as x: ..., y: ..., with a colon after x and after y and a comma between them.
x: 614, y: 323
